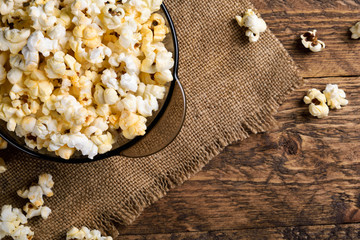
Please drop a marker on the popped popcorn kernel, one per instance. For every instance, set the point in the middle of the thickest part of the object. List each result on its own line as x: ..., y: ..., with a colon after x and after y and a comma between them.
x: 12, y: 222
x: 335, y: 97
x: 317, y: 103
x: 253, y: 23
x: 36, y: 192
x: 310, y: 40
x: 355, y: 30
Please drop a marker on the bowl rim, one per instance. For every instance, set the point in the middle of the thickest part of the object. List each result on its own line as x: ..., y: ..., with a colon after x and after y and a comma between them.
x: 118, y: 150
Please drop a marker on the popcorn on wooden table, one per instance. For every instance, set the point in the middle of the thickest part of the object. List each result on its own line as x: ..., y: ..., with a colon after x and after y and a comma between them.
x: 73, y: 62
x: 317, y: 101
x: 355, y: 30
x: 335, y: 97
x: 253, y: 23
x: 310, y: 40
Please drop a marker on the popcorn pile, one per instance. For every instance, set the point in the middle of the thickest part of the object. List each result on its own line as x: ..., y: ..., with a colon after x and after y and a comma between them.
x: 332, y: 97
x: 254, y: 24
x: 12, y: 220
x: 75, y: 72
x: 85, y: 234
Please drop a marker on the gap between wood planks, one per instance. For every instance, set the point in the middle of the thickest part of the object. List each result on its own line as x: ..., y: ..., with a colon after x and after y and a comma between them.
x: 260, y: 231
x: 345, y: 76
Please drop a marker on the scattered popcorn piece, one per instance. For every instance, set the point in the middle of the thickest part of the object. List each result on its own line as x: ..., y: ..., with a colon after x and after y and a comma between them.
x: 46, y: 183
x: 2, y: 165
x: 335, y: 97
x: 3, y: 143
x: 317, y: 101
x: 32, y: 211
x: 34, y: 194
x: 254, y: 24
x: 310, y: 41
x: 355, y: 30
x: 12, y: 222
x: 85, y: 234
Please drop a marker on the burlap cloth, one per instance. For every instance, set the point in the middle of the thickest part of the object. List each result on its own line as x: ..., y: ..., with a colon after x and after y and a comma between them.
x: 233, y: 88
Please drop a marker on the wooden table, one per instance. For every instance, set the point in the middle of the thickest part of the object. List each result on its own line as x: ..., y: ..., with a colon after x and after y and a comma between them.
x: 297, y: 181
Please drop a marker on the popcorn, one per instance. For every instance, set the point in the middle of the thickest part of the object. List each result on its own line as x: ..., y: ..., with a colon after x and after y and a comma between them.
x: 13, y: 39
x: 254, y: 24
x: 32, y: 211
x: 335, y: 97
x: 15, y: 75
x: 129, y: 82
x: 38, y: 43
x: 317, y: 101
x: 85, y: 234
x: 65, y: 152
x: 74, y: 73
x: 103, y: 142
x: 34, y: 194
x: 310, y: 41
x: 110, y: 96
x: 109, y: 79
x: 46, y: 183
x: 113, y: 16
x: 11, y: 224
x: 2, y: 165
x: 132, y: 124
x: 43, y: 16
x: 355, y: 30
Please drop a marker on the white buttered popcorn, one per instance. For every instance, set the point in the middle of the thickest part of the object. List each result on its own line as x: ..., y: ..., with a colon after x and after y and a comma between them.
x: 310, y: 40
x: 35, y: 193
x: 317, y: 101
x: 12, y: 222
x: 254, y: 24
x: 355, y: 30
x: 85, y: 234
x: 76, y: 75
x: 46, y: 183
x: 335, y: 97
x: 33, y: 211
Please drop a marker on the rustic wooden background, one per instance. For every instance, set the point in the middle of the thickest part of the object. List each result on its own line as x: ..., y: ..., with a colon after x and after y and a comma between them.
x: 298, y: 181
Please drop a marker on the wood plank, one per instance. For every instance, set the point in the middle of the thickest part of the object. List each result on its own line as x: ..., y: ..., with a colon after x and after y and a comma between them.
x: 344, y: 231
x: 289, y: 19
x: 303, y: 172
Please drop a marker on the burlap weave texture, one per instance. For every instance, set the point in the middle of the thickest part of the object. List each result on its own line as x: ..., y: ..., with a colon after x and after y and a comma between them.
x: 233, y: 87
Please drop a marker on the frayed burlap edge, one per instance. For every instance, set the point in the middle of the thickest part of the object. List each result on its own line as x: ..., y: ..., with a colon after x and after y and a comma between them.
x: 260, y: 121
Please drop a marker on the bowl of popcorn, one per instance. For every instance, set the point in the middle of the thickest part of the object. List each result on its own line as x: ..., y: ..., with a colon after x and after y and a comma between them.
x: 83, y: 80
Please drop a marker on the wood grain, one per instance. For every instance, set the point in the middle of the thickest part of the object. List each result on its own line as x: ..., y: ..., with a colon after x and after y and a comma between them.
x: 344, y: 231
x: 288, y: 19
x: 304, y: 172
